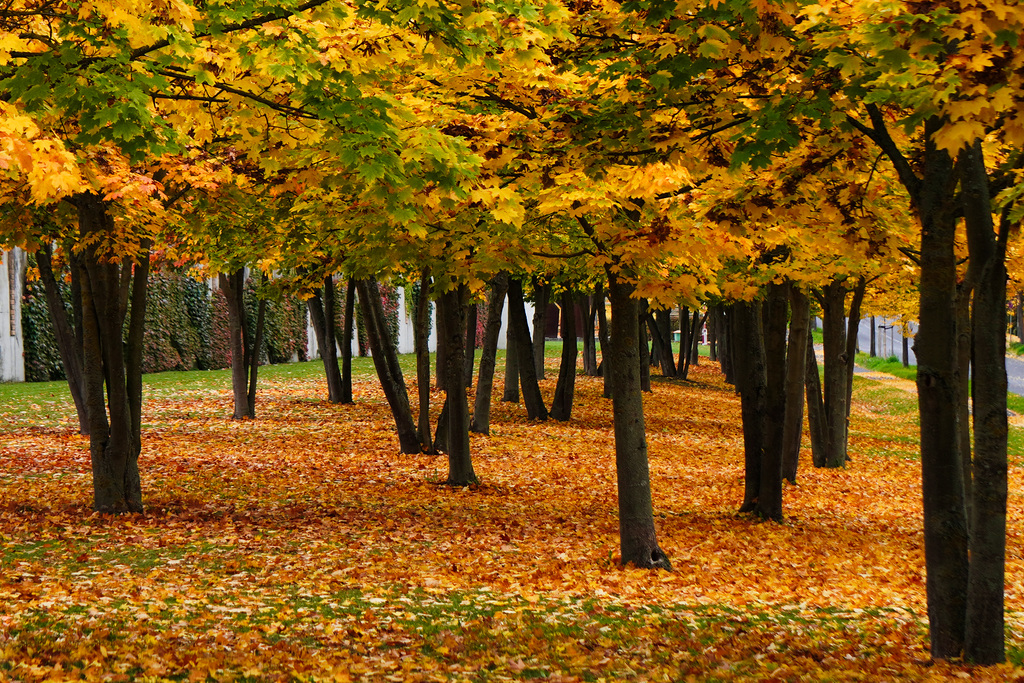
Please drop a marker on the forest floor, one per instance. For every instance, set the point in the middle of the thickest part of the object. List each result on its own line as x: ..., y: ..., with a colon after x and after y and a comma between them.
x: 302, y: 545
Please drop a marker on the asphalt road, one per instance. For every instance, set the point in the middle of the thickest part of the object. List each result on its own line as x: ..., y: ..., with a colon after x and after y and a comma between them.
x: 889, y: 342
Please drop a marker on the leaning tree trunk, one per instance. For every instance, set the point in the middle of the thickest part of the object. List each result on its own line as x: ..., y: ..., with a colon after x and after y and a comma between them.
x: 796, y: 366
x: 252, y: 355
x: 472, y: 318
x: 460, y: 463
x: 67, y: 341
x: 232, y: 285
x: 816, y: 423
x: 112, y: 380
x: 535, y: 408
x: 985, y: 628
x: 751, y: 381
x: 645, y: 349
x: 776, y: 309
x: 852, y: 330
x: 637, y: 537
x: 385, y: 361
x: 510, y: 392
x: 421, y: 340
x: 602, y: 337
x: 481, y: 422
x: 561, y: 408
x: 590, y: 365
x: 542, y: 295
x: 346, y: 341
x: 321, y: 316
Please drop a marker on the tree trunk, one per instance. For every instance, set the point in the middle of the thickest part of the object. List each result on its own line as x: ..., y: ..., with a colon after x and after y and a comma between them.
x: 852, y: 330
x: 441, y: 355
x: 816, y: 423
x: 1019, y: 316
x: 776, y: 309
x: 346, y: 342
x: 535, y: 408
x: 645, y: 349
x: 684, y: 339
x: 945, y: 528
x: 460, y: 463
x: 421, y: 340
x: 590, y: 364
x: 602, y: 336
x: 385, y: 361
x: 253, y: 355
x: 985, y: 629
x: 542, y: 295
x: 232, y: 284
x: 796, y: 367
x: 751, y: 382
x: 510, y: 393
x: 873, y: 353
x: 963, y: 362
x: 67, y: 340
x: 637, y: 537
x: 833, y: 304
x: 663, y: 326
x: 561, y: 408
x: 698, y: 323
x: 472, y: 318
x: 112, y: 380
x: 713, y: 319
x: 321, y: 316
x: 481, y: 422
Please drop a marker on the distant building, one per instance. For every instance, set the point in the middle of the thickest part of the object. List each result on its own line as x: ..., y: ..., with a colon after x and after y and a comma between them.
x: 12, y: 278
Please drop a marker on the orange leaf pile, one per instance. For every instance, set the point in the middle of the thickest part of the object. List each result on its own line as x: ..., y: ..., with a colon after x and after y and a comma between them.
x: 303, y: 545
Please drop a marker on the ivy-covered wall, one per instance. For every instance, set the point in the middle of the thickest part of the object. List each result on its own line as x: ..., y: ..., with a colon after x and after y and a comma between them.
x: 186, y: 328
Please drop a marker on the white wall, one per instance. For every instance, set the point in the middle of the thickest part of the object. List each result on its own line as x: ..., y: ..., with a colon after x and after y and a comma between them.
x: 12, y: 357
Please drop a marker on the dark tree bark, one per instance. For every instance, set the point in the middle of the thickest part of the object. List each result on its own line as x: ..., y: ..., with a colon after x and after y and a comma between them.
x: 322, y: 316
x: 590, y: 364
x: 816, y: 423
x: 346, y: 342
x: 963, y: 360
x: 385, y: 360
x: 441, y: 355
x: 751, y: 382
x: 68, y: 341
x: 796, y: 366
x: 535, y: 408
x: 510, y: 393
x: 714, y: 319
x: 874, y: 327
x: 112, y: 373
x: 852, y: 330
x: 985, y: 629
x: 837, y: 371
x: 421, y: 338
x: 542, y: 295
x: 637, y: 537
x: 481, y: 422
x: 663, y: 327
x: 645, y: 349
x: 1018, y: 308
x: 602, y: 336
x: 692, y: 344
x: 460, y: 463
x: 472, y: 318
x: 253, y: 352
x: 561, y: 408
x: 232, y: 284
x: 776, y: 308
x: 684, y: 339
x: 725, y: 341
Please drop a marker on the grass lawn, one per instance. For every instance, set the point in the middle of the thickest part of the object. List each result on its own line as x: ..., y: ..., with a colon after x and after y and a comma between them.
x: 303, y: 546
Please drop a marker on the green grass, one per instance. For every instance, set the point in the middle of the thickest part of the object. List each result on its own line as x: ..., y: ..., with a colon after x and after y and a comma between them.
x: 890, y: 366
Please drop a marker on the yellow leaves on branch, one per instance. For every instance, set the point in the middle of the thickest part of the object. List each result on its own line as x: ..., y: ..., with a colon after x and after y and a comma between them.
x: 44, y: 164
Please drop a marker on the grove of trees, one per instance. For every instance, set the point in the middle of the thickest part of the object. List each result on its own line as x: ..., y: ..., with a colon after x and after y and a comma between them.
x: 759, y: 161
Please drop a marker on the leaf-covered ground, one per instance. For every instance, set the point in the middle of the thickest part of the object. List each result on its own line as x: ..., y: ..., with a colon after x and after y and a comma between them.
x: 303, y: 546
